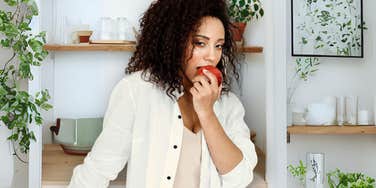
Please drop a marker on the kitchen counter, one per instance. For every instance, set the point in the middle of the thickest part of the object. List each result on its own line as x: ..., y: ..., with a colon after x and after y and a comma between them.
x: 57, y: 168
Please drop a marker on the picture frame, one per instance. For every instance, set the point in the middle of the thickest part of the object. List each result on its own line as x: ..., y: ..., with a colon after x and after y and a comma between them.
x: 327, y: 28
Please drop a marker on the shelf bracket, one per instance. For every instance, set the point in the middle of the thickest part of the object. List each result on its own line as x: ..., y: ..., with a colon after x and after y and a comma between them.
x: 288, y: 137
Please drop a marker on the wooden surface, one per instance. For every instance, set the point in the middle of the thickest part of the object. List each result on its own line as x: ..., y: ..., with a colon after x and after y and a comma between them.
x: 90, y: 47
x: 57, y: 167
x: 331, y: 129
x: 121, y: 47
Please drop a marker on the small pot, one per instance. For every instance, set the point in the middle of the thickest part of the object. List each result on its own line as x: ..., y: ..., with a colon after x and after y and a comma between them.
x: 238, y: 30
x: 76, y: 136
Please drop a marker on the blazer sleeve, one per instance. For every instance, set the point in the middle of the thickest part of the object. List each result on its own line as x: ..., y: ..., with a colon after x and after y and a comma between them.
x: 111, y: 150
x: 237, y: 130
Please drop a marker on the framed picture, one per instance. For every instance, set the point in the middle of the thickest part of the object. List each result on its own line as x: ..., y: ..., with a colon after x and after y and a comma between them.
x: 327, y: 28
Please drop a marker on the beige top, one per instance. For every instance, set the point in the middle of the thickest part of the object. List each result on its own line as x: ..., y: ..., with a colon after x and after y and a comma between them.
x: 188, y: 171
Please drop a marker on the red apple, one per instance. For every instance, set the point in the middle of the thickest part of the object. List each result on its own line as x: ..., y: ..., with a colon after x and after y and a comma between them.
x: 213, y: 70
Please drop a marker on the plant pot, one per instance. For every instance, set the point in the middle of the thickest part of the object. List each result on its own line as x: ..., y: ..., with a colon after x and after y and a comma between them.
x: 238, y: 30
x: 7, y: 168
x: 315, y: 163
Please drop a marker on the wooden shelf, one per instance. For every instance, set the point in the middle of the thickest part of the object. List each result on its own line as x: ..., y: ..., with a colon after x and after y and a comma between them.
x: 90, y: 47
x: 330, y: 130
x: 121, y: 47
x: 251, y: 49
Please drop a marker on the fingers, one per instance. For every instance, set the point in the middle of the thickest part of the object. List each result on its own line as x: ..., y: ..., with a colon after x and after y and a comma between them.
x: 203, y: 80
x: 212, y: 78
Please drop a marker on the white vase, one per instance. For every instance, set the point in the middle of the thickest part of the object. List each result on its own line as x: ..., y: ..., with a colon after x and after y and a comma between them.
x: 6, y: 158
x: 315, y: 163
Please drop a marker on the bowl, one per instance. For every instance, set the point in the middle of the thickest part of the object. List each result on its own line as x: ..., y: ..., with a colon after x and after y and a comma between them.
x: 76, y: 136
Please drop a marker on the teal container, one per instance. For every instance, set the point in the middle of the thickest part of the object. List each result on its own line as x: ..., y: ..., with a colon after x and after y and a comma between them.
x: 76, y: 136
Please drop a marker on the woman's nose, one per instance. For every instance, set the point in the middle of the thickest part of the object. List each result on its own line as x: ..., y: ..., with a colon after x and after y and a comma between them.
x: 211, y: 55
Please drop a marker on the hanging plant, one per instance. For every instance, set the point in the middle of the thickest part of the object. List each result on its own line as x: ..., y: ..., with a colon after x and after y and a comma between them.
x: 20, y: 108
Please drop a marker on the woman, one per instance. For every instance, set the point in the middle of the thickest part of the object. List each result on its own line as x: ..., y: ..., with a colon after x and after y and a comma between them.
x: 172, y: 127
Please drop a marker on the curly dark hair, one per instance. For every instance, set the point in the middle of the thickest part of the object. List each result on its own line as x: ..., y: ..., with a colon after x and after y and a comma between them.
x: 165, y: 30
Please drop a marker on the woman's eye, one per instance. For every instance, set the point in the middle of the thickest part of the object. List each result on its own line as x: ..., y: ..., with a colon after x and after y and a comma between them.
x: 199, y: 43
x: 220, y: 46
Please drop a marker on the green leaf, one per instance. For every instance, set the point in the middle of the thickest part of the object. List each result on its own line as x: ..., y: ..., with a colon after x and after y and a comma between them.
x: 36, y: 45
x: 24, y: 26
x: 241, y: 3
x: 11, y: 2
x: 256, y: 7
x: 33, y: 7
x: 262, y: 12
x: 5, y: 43
x: 46, y: 106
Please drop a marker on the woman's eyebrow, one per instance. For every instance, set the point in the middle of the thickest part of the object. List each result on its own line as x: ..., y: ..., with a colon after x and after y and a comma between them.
x: 208, y: 38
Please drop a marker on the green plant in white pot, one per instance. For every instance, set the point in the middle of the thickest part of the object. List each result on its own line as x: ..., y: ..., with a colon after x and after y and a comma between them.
x: 20, y: 108
x: 243, y: 11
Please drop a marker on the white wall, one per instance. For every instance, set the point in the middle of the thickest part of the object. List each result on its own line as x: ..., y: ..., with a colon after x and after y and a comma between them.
x: 341, y: 77
x: 253, y: 83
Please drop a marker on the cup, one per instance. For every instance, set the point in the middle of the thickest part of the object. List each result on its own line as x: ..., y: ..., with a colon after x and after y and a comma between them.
x: 107, y: 28
x: 298, y: 118
x: 124, y: 29
x: 331, y: 101
x: 363, y: 117
x: 351, y: 106
x: 340, y: 110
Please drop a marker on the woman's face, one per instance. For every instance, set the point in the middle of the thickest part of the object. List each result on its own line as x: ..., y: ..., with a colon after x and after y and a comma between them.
x: 207, y: 46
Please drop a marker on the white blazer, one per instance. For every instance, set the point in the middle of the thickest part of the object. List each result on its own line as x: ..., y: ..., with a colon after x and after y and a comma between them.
x: 143, y: 128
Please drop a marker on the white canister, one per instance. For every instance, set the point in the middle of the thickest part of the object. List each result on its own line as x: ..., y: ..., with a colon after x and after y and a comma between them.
x: 363, y: 117
x: 319, y: 114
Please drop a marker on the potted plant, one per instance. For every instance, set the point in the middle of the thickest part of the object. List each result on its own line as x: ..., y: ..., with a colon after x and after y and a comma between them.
x: 19, y: 108
x: 241, y: 12
x: 335, y: 178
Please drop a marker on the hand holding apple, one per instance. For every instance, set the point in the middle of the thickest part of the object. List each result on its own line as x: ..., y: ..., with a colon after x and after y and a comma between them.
x: 213, y: 70
x: 204, y: 93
